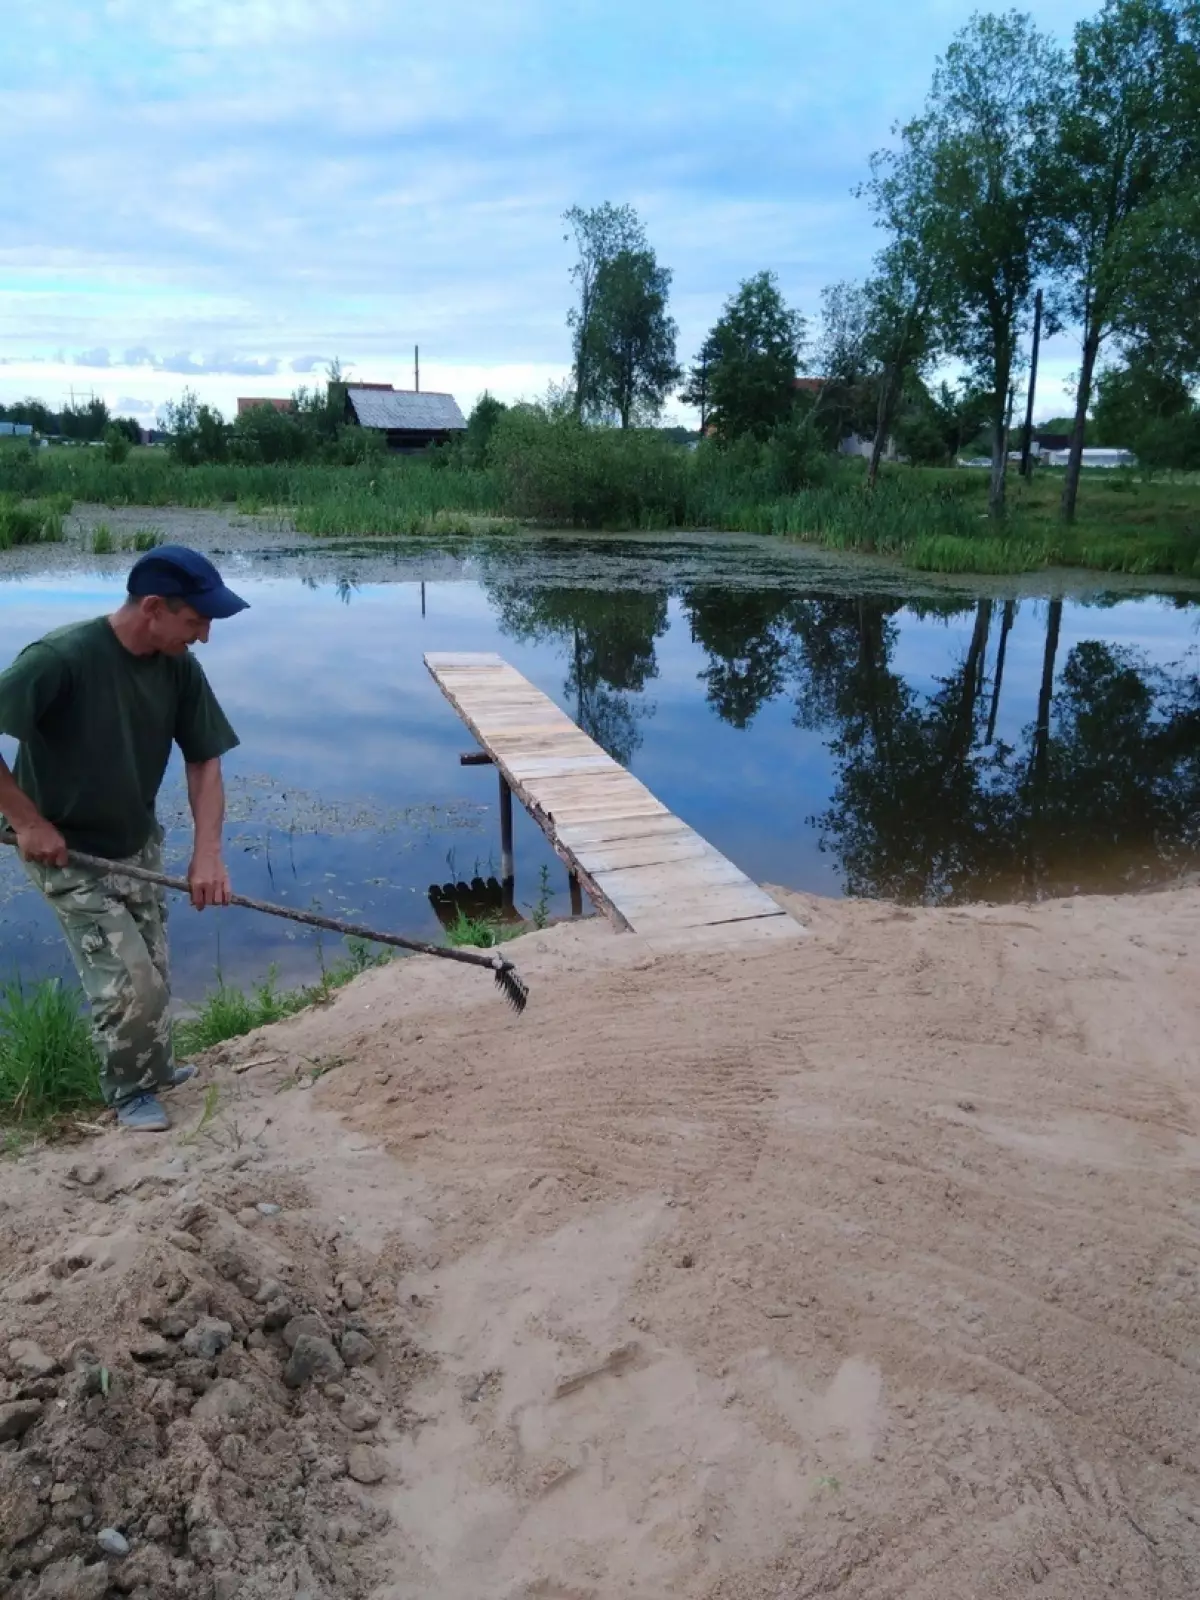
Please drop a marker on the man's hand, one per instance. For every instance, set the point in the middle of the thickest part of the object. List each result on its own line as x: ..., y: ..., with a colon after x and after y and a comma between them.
x: 209, y: 881
x: 41, y: 841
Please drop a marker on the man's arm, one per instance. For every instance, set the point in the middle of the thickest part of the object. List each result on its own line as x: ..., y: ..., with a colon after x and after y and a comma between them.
x: 38, y: 839
x: 207, y: 876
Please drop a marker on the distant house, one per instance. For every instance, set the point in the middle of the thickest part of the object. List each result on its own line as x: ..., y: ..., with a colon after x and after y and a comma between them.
x: 411, y: 419
x: 1092, y: 458
x: 17, y: 430
x: 276, y: 405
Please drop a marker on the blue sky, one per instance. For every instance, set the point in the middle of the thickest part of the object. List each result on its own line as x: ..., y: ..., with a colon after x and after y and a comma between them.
x: 226, y: 193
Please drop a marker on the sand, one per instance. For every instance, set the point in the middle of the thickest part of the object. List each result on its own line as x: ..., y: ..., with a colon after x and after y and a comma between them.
x: 866, y: 1267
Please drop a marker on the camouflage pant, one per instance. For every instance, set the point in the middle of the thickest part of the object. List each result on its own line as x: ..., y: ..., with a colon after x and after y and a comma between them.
x: 117, y: 934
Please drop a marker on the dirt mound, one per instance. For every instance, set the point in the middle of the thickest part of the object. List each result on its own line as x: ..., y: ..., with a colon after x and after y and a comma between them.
x: 195, y: 1391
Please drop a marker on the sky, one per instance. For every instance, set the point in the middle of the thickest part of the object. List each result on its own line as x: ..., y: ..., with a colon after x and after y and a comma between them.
x: 224, y: 195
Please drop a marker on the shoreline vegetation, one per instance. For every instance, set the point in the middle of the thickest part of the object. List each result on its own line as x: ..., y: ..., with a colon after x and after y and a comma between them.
x: 551, y: 472
x: 49, y: 1071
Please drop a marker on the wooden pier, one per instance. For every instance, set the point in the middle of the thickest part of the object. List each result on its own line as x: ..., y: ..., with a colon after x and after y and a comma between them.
x: 644, y: 867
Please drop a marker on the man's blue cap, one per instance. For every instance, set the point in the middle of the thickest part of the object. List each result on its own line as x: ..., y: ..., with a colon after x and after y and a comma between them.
x: 177, y: 573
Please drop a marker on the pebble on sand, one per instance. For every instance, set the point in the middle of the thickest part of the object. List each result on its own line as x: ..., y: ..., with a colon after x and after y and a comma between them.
x: 364, y: 1464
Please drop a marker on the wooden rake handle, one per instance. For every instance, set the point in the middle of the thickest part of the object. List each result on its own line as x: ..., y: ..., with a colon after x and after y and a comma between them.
x: 513, y: 986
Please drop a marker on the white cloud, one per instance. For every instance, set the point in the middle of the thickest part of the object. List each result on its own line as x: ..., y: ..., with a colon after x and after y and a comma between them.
x: 242, y: 182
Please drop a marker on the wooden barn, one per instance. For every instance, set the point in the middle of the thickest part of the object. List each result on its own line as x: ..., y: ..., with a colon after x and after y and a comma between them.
x: 411, y: 419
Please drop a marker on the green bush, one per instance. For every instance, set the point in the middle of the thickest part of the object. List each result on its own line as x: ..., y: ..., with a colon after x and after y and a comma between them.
x: 116, y: 444
x: 265, y: 436
x: 555, y: 470
x: 33, y: 521
x: 19, y: 468
x: 1170, y: 444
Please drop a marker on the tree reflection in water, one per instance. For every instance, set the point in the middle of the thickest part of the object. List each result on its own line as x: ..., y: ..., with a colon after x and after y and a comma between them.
x: 1099, y: 792
x: 609, y: 637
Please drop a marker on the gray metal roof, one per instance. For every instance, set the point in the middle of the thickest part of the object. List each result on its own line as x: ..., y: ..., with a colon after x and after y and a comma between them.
x: 404, y: 409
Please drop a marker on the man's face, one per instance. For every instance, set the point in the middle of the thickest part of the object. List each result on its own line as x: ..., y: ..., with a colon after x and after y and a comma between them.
x: 174, y: 627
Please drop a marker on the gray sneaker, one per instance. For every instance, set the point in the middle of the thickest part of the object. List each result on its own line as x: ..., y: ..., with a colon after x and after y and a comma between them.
x: 143, y: 1114
x: 178, y: 1075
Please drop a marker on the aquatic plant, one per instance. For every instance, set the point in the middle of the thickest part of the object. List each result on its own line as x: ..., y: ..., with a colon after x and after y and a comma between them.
x: 483, y: 933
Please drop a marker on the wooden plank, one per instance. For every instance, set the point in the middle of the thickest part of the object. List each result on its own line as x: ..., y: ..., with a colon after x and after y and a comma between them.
x: 665, y: 878
x: 693, y: 911
x: 580, y: 834
x: 646, y: 852
x: 759, y: 931
x: 546, y: 766
x: 638, y: 861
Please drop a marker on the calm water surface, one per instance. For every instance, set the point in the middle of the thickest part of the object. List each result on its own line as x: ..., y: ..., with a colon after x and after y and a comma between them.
x: 830, y: 727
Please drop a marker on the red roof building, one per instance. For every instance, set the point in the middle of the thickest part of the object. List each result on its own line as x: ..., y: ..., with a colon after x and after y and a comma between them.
x: 277, y: 405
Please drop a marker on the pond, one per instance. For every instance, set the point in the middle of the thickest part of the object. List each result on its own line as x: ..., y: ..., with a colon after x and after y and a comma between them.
x: 831, y: 725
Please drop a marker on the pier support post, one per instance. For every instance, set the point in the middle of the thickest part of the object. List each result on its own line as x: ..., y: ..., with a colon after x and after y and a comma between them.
x: 576, y: 894
x: 506, y: 840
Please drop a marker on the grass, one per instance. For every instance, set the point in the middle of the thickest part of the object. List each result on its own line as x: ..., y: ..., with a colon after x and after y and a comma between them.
x: 539, y: 911
x: 36, y: 520
x: 928, y: 518
x: 48, y: 1064
x: 103, y: 543
x: 481, y: 933
x: 228, y: 1012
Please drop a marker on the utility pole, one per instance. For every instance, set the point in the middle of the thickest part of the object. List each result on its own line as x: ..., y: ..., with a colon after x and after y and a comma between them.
x: 1027, y: 443
x: 417, y: 367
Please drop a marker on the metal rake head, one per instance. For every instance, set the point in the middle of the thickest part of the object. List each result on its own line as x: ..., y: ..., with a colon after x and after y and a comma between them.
x: 510, y: 985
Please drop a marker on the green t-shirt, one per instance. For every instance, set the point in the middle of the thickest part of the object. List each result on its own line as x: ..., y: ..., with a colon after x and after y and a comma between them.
x: 96, y: 724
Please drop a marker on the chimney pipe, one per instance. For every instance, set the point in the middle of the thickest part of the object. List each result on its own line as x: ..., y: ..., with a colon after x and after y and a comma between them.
x: 417, y: 367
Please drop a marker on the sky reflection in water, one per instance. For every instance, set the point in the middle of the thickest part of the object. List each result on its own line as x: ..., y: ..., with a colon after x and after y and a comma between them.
x: 829, y: 741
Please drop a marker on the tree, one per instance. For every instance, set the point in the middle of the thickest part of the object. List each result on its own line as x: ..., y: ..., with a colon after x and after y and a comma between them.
x: 698, y: 391
x: 1158, y: 264
x: 745, y: 638
x: 198, y: 433
x: 481, y: 424
x: 34, y: 412
x: 116, y: 444
x: 976, y: 170
x: 1132, y: 397
x: 841, y: 350
x: 600, y: 235
x: 900, y: 333
x: 1127, y: 139
x: 609, y: 639
x: 845, y: 403
x: 962, y: 414
x: 87, y: 420
x: 631, y: 338
x: 758, y: 340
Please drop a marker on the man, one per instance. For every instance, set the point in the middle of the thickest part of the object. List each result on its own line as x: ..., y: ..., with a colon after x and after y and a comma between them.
x: 96, y: 708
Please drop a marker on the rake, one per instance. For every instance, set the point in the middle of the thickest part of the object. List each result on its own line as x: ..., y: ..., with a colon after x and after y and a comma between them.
x: 508, y: 981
